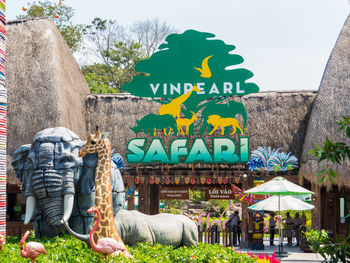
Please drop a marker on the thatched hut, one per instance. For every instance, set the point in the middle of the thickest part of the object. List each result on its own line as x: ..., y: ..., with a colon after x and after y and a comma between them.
x: 45, y: 89
x: 332, y: 101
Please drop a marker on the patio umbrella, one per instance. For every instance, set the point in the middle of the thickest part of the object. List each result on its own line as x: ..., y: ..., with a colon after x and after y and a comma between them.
x: 286, y: 202
x: 278, y: 186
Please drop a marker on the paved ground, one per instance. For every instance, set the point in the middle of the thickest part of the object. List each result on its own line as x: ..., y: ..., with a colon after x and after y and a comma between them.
x: 293, y: 254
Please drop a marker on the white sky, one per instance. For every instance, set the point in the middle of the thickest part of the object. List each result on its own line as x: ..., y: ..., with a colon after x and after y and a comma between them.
x: 285, y: 43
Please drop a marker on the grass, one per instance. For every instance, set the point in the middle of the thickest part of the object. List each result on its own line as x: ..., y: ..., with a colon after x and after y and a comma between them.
x: 69, y: 249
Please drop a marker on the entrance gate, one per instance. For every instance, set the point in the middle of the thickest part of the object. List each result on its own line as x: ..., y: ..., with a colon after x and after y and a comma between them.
x: 149, y: 182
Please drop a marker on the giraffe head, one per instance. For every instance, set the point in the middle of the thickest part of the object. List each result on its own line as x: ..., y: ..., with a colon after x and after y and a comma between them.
x: 95, y: 144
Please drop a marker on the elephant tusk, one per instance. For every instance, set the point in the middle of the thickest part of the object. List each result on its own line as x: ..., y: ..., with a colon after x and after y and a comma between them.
x: 30, y: 206
x: 67, y: 206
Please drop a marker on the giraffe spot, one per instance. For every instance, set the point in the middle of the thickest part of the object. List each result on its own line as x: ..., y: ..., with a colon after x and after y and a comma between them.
x: 104, y: 232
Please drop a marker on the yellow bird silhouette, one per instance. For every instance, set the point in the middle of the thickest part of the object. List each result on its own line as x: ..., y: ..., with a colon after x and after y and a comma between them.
x: 205, y: 70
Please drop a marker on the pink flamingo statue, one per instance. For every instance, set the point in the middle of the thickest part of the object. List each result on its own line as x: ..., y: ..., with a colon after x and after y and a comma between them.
x: 106, y: 245
x: 2, y: 240
x: 32, y: 249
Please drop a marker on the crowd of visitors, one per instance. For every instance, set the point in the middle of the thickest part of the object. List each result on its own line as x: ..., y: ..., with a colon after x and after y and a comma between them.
x: 291, y: 226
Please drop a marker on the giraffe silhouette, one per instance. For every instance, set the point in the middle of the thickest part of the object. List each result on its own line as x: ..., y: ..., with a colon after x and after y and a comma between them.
x: 174, y: 107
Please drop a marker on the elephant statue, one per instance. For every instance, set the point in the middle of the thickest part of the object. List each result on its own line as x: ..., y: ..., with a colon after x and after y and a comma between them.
x: 228, y: 110
x: 167, y: 229
x: 58, y: 183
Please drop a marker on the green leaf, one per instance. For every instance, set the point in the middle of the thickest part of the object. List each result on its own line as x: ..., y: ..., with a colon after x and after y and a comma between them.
x: 322, y: 179
x: 320, y: 172
x: 332, y: 173
x: 313, y: 151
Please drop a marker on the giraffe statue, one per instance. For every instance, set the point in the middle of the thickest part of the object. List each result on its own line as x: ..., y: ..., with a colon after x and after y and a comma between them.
x: 174, y: 107
x: 103, y: 190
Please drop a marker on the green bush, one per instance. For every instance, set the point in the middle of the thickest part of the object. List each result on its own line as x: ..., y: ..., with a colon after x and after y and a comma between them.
x: 69, y: 249
x: 331, y: 252
x: 170, y: 210
x: 217, y: 205
x: 197, y: 196
x: 172, y: 206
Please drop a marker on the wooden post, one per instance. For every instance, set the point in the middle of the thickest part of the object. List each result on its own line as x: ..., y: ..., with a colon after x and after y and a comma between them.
x: 154, y: 199
x: 245, y: 214
x: 247, y: 183
x: 144, y: 197
x: 316, y: 212
x: 329, y: 212
x: 131, y: 200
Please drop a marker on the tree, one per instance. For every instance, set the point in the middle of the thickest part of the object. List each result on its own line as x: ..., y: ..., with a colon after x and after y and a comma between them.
x: 102, y: 34
x: 333, y: 152
x: 117, y: 57
x: 62, y: 15
x: 150, y: 34
x: 119, y: 48
x: 117, y: 68
x: 97, y: 77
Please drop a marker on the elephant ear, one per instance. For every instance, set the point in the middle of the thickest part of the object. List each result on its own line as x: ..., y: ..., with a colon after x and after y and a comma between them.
x: 86, y: 183
x: 20, y: 162
x: 23, y: 167
x: 118, y: 191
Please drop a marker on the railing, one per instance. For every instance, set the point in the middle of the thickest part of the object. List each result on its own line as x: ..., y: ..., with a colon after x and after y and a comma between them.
x: 16, y: 228
x: 213, y: 235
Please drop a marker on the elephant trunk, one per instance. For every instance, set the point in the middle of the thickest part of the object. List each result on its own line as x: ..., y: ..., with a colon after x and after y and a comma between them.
x: 54, y: 191
x: 85, y: 238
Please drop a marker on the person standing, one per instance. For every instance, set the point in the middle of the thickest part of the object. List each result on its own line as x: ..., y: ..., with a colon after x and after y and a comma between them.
x: 289, y: 228
x: 303, y: 219
x: 272, y: 226
x: 234, y: 219
x: 297, y: 222
x: 239, y: 231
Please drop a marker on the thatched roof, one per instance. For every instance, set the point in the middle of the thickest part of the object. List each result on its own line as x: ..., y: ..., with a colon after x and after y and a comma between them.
x: 332, y: 101
x: 278, y: 119
x: 45, y: 85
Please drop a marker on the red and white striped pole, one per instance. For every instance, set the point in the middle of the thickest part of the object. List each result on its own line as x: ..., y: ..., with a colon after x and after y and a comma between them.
x: 3, y: 120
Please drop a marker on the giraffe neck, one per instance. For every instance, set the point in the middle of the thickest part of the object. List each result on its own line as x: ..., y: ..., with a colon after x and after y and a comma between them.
x: 103, y: 196
x: 181, y: 99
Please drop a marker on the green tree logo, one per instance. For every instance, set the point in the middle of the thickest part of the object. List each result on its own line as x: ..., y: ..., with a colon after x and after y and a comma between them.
x: 197, y: 71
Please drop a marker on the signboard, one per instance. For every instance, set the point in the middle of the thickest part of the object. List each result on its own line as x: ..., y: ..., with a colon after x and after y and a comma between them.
x: 174, y: 193
x: 194, y: 78
x: 219, y: 193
